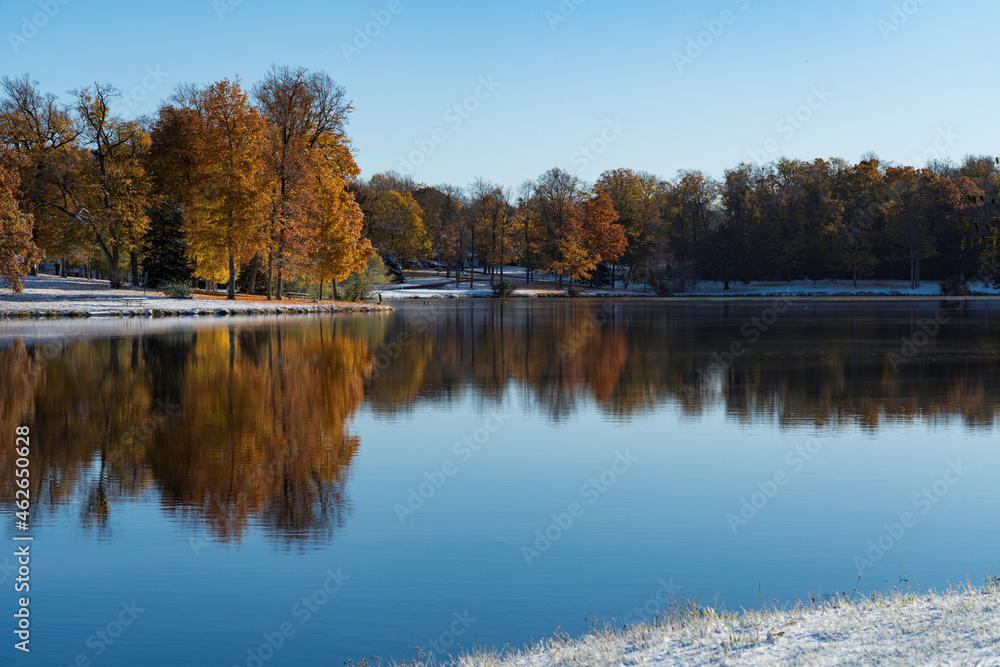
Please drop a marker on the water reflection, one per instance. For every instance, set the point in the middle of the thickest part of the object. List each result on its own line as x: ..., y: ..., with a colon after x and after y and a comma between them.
x: 229, y: 425
x: 233, y: 424
x: 823, y: 364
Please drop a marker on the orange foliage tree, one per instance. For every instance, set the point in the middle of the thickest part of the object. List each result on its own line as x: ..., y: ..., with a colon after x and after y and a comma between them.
x: 17, y: 250
x: 224, y: 173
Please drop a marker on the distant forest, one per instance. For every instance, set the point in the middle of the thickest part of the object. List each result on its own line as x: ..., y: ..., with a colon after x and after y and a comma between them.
x: 787, y: 220
x: 259, y: 189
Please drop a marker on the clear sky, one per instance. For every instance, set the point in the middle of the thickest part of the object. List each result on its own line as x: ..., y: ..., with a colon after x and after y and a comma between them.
x: 656, y: 86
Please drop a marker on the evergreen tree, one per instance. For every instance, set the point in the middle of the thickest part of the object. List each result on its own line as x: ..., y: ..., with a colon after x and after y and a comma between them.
x: 164, y: 254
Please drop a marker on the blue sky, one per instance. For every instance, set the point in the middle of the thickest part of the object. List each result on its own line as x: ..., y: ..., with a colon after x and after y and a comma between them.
x: 586, y: 85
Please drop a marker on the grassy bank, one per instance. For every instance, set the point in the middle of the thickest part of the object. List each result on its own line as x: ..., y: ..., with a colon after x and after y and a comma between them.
x: 958, y: 627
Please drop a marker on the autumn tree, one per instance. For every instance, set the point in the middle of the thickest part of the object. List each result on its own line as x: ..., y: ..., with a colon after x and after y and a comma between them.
x: 223, y: 166
x: 307, y: 151
x: 690, y: 209
x: 442, y: 220
x: 860, y: 189
x: 393, y: 220
x: 637, y: 198
x: 492, y: 216
x: 559, y: 196
x: 530, y: 229
x: 908, y: 216
x: 17, y: 250
x: 341, y: 248
x: 88, y: 164
x: 605, y: 240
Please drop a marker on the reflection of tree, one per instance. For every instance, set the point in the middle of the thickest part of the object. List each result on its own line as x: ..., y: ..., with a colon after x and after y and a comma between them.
x: 804, y: 368
x: 229, y: 425
x: 243, y: 423
x: 268, y: 437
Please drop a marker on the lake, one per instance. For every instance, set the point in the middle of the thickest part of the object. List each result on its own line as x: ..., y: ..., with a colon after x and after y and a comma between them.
x: 467, y: 473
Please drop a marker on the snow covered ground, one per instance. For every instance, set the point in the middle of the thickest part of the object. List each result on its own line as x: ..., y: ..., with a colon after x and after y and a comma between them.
x: 428, y: 286
x: 50, y: 295
x: 45, y: 296
x: 959, y: 627
x: 829, y: 288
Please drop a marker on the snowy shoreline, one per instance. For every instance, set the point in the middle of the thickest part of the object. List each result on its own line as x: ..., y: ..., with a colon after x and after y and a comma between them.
x: 957, y: 627
x: 428, y: 286
x: 49, y: 297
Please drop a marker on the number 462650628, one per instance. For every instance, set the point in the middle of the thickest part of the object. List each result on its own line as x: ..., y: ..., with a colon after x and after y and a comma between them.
x: 22, y: 472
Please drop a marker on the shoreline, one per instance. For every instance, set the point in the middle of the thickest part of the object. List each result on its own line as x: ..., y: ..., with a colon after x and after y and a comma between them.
x: 711, y: 298
x: 960, y: 626
x: 203, y: 308
x: 422, y: 285
x: 55, y: 298
x: 33, y: 312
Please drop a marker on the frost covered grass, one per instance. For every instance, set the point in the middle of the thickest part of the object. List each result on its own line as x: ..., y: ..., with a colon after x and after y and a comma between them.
x: 958, y: 627
x: 54, y: 297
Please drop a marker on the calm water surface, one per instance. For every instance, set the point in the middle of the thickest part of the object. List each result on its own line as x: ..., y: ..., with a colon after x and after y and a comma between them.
x: 477, y: 473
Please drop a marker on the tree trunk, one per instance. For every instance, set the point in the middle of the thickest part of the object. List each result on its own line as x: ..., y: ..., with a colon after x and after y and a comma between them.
x: 336, y: 296
x: 320, y: 290
x: 134, y: 260
x: 254, y: 266
x: 270, y: 276
x: 232, y: 277
x: 113, y: 279
x: 62, y: 267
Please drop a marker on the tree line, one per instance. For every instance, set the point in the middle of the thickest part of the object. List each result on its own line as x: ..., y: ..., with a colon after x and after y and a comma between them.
x: 255, y: 188
x: 221, y: 182
x: 787, y: 220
